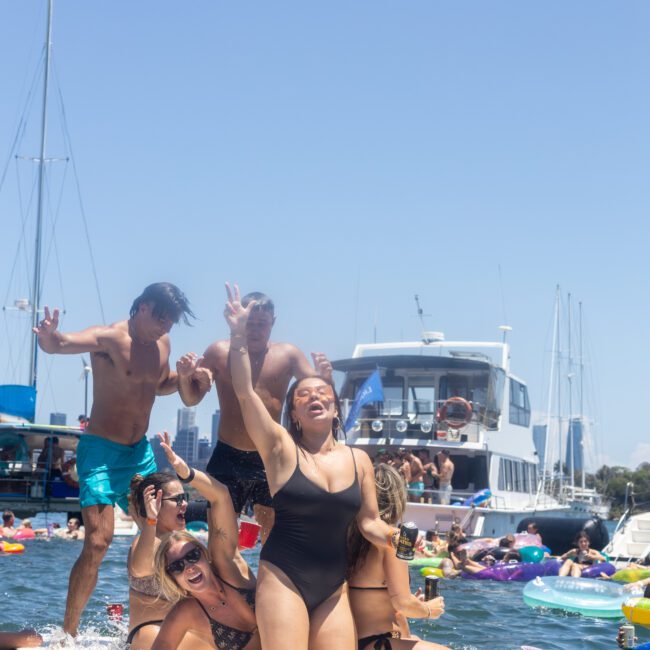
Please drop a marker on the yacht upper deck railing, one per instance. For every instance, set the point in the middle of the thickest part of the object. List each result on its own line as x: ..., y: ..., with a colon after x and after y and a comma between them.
x: 419, y: 419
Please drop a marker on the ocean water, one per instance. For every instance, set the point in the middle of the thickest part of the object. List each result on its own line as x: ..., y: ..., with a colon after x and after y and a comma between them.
x: 479, y: 614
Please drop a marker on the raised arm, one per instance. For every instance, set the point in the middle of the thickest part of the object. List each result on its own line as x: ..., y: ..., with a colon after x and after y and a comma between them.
x: 300, y: 367
x: 194, y: 378
x: 371, y: 526
x: 264, y: 431
x: 52, y: 341
x: 224, y: 533
x: 143, y: 547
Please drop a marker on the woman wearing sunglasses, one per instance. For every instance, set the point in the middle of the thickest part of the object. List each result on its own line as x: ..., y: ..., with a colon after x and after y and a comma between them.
x: 158, y: 504
x: 319, y: 486
x: 211, y: 591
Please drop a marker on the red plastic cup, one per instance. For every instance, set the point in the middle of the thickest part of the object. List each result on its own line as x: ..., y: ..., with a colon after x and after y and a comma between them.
x: 248, y: 533
x: 115, y: 611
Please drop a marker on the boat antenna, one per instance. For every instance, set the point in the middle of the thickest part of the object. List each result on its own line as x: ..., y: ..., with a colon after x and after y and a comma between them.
x: 421, y: 313
x: 36, y: 286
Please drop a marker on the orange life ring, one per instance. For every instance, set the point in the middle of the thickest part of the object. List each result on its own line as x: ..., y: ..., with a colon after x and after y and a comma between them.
x: 450, y: 412
x: 69, y: 472
x: 6, y: 547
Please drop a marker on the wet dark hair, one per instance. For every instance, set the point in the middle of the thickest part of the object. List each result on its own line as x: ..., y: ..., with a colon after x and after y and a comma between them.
x: 168, y: 302
x: 264, y: 303
x: 507, y: 542
x: 139, y: 483
x: 290, y: 425
x: 582, y: 534
x: 7, y: 516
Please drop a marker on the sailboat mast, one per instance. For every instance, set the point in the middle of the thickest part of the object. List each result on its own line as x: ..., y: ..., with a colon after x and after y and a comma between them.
x: 36, y: 285
x: 559, y: 394
x: 582, y: 367
x: 549, y: 406
x: 571, y: 436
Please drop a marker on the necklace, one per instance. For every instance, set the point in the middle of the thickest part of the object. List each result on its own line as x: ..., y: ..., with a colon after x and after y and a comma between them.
x: 222, y: 597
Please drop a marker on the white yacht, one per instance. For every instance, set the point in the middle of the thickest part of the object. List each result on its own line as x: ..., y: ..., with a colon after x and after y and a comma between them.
x: 463, y: 397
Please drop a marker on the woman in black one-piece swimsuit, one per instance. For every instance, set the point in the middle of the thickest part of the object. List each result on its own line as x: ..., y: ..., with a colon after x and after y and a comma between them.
x: 319, y: 486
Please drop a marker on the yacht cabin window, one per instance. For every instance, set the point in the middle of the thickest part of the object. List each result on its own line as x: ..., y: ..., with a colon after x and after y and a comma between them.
x: 519, y: 404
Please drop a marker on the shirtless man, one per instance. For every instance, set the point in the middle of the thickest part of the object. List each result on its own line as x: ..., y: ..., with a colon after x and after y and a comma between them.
x: 416, y: 484
x: 8, y: 521
x: 51, y: 457
x: 235, y: 461
x: 445, y: 474
x: 130, y: 363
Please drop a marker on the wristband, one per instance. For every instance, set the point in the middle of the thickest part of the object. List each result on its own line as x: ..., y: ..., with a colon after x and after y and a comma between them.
x: 151, y: 521
x: 189, y: 478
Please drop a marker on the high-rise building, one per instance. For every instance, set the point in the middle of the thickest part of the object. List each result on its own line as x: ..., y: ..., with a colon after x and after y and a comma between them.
x: 539, y: 439
x: 204, y: 453
x: 159, y: 455
x: 185, y: 418
x: 216, y: 417
x: 574, y: 445
x: 59, y: 419
x: 186, y: 444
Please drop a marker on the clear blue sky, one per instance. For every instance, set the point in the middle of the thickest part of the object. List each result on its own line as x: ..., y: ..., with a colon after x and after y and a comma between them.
x: 342, y: 157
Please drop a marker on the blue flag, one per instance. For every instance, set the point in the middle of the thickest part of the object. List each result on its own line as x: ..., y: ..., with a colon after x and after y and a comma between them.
x: 371, y: 391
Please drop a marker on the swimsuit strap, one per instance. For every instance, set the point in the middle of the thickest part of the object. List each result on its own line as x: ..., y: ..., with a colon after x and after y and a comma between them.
x: 371, y: 588
x: 355, y: 464
x: 204, y: 609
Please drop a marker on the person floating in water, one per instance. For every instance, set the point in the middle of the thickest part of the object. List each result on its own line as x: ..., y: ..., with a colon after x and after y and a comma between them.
x: 130, y: 363
x: 235, y: 460
x: 580, y: 557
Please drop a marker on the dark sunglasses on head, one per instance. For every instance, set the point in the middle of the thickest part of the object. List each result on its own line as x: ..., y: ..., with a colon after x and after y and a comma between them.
x: 191, y: 557
x: 179, y: 498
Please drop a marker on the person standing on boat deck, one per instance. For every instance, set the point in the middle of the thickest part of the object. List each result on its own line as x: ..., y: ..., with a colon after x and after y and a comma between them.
x: 130, y: 364
x: 235, y: 460
x: 319, y: 486
x: 445, y: 474
x: 416, y: 483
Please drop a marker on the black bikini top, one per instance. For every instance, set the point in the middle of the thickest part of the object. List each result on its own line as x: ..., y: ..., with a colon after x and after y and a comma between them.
x: 226, y: 637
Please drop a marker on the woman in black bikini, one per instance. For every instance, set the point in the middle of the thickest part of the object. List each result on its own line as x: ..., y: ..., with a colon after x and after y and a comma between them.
x: 214, y: 599
x: 318, y: 487
x: 191, y: 623
x: 380, y: 593
x: 157, y: 504
x: 579, y: 558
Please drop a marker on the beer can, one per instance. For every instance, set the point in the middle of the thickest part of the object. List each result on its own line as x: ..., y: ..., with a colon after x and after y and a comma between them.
x: 408, y: 534
x: 431, y: 587
x: 115, y: 611
x: 628, y: 635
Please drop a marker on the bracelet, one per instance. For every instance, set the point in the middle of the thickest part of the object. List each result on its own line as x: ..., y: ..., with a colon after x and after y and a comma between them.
x: 189, y: 478
x: 151, y: 521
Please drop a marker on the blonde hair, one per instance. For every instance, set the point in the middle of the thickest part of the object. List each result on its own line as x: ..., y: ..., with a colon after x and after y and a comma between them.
x: 391, y: 499
x: 169, y: 589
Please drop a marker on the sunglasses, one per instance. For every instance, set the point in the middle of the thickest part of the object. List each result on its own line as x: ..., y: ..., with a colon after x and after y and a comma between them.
x: 178, y: 566
x: 179, y: 498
